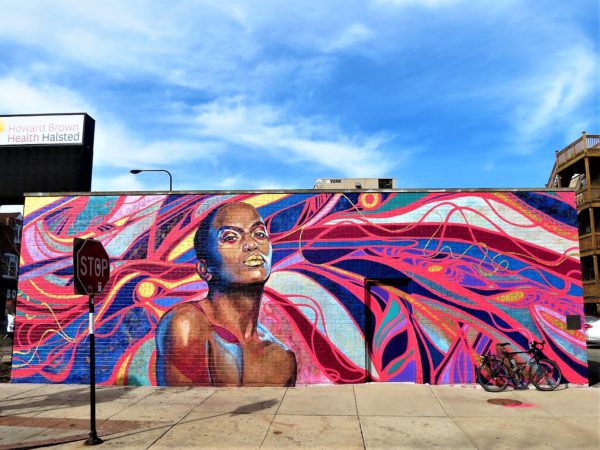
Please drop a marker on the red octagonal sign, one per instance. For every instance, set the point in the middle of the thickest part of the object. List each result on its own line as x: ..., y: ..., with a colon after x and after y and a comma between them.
x: 91, y: 266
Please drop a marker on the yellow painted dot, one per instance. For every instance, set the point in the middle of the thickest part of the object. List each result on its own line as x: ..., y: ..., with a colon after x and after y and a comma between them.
x: 370, y: 200
x: 514, y: 296
x: 146, y: 289
x: 435, y: 268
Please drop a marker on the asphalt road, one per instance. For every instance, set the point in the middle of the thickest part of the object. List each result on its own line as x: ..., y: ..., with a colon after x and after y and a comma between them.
x: 594, y: 364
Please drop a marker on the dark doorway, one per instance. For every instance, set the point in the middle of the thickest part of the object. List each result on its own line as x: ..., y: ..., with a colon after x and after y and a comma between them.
x: 386, y: 339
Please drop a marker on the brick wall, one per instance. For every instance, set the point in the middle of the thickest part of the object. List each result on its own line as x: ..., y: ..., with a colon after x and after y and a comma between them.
x: 299, y: 288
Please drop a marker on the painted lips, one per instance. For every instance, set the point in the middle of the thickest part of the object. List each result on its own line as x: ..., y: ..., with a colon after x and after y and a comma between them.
x: 254, y: 261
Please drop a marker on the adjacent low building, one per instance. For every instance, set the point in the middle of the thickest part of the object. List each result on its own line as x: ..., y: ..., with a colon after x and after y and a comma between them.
x: 10, y: 241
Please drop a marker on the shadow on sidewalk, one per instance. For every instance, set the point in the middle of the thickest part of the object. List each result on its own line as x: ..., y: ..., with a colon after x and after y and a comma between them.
x: 66, y: 398
x: 254, y: 407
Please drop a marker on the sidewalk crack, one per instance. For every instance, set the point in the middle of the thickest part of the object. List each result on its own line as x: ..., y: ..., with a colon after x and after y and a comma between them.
x: 273, y: 419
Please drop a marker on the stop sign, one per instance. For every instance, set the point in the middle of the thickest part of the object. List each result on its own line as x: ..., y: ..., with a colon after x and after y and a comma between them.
x: 91, y: 266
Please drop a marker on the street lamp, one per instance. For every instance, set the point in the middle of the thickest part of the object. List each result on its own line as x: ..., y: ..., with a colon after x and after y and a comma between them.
x: 136, y: 171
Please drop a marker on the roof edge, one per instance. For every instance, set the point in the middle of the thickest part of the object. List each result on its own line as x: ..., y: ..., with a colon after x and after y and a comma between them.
x: 296, y: 191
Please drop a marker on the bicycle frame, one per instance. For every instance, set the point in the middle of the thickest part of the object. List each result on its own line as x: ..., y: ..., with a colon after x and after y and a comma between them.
x: 522, y: 370
x: 521, y: 373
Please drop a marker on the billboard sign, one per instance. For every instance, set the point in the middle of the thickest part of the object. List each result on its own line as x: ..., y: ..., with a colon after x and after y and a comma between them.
x: 41, y: 130
x: 45, y: 153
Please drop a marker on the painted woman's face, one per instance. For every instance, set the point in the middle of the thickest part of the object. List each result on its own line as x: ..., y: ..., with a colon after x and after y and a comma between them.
x: 239, y: 246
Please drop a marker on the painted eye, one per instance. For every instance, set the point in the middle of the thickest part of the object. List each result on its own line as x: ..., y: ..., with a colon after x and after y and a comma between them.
x: 228, y: 237
x: 261, y: 234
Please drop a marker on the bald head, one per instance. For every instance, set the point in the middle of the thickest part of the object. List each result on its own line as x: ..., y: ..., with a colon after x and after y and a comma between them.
x: 232, y: 245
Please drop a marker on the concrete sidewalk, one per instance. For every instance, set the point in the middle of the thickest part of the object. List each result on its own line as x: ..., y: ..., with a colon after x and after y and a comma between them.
x: 385, y: 415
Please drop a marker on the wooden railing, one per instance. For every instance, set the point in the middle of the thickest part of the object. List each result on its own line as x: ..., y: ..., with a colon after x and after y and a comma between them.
x: 586, y: 143
x: 589, y: 142
x: 590, y: 289
x: 584, y: 196
x: 586, y: 243
x: 589, y: 242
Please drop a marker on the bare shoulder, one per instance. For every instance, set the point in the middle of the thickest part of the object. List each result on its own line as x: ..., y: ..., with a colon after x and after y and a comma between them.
x: 187, y: 322
x: 269, y: 363
x: 280, y: 353
x: 274, y: 347
x: 181, y: 343
x: 188, y: 309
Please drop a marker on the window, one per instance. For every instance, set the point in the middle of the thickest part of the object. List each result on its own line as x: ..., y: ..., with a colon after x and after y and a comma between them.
x: 386, y: 183
x: 18, y: 227
x: 11, y: 268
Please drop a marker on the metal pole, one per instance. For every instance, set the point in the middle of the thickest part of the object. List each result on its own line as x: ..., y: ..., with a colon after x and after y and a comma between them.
x: 93, y: 439
x: 170, y: 180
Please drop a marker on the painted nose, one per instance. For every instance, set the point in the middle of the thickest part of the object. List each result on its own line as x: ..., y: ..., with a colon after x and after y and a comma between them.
x: 250, y: 245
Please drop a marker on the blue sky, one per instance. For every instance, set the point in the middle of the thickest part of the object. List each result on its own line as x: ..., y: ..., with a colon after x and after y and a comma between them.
x: 273, y: 94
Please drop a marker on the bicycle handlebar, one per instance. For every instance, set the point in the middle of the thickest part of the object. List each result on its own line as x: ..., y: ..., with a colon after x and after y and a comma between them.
x: 533, y: 345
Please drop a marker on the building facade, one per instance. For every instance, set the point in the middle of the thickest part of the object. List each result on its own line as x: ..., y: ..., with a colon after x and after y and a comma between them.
x: 578, y: 166
x: 10, y: 242
x: 302, y: 287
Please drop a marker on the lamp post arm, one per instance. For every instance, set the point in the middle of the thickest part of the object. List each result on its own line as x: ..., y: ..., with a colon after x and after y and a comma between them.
x: 136, y: 171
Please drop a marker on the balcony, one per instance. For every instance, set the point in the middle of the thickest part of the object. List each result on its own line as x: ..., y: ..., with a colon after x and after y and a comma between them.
x: 587, y: 142
x: 590, y: 290
x: 583, y: 197
x: 588, y: 242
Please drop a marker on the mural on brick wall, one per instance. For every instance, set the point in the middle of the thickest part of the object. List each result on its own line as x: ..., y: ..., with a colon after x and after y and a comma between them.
x: 218, y: 340
x: 299, y: 288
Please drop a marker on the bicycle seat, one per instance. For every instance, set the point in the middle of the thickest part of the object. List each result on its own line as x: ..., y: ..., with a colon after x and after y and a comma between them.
x: 504, y: 344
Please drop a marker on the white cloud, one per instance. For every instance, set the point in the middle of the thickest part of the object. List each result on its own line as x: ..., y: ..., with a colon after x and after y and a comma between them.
x: 294, y: 140
x: 350, y: 36
x: 553, y: 95
x: 125, y: 182
x: 117, y: 150
x: 219, y: 128
x: 229, y: 182
x: 191, y: 44
x: 420, y: 3
x: 117, y: 147
x: 271, y: 76
x: 203, y: 45
x: 20, y: 97
x: 277, y: 185
x: 114, y: 144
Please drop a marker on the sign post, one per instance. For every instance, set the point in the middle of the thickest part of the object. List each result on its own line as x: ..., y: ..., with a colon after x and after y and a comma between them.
x: 91, y: 266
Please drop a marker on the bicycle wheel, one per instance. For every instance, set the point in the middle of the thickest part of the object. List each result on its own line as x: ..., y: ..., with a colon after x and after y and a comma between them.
x: 492, y: 377
x: 545, y: 374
